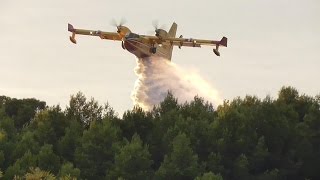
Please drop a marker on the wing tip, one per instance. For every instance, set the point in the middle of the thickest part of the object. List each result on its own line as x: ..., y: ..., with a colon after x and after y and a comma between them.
x: 224, y: 42
x: 70, y: 28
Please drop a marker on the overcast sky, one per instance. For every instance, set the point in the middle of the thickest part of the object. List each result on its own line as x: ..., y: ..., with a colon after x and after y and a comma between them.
x: 272, y: 43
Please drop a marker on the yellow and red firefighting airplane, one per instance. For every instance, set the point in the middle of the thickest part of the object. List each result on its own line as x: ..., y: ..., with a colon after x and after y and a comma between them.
x: 144, y: 45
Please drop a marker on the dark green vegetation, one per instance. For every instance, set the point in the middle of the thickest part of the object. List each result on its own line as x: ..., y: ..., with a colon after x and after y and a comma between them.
x: 242, y: 139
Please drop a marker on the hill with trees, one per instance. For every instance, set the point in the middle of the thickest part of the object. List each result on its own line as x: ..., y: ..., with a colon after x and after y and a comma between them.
x: 246, y: 138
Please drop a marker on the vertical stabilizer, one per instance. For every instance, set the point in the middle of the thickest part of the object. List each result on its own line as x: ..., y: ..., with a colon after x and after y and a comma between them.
x: 173, y: 30
x: 172, y: 33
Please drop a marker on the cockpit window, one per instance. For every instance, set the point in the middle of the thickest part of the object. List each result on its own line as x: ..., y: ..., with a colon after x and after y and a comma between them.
x: 132, y: 35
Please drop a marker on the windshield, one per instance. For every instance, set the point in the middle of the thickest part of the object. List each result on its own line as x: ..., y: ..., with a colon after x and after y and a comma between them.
x: 132, y: 35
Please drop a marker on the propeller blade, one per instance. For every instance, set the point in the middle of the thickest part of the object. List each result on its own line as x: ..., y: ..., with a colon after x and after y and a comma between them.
x: 123, y: 21
x: 155, y: 24
x: 114, y: 23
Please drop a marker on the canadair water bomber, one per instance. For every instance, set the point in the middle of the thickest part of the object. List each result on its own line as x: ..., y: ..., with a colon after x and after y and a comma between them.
x: 144, y: 46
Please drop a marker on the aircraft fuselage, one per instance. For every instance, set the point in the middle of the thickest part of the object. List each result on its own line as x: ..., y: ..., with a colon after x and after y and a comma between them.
x: 141, y: 50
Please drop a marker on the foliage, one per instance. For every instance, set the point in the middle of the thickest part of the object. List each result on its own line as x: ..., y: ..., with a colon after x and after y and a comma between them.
x: 68, y: 170
x: 209, y: 176
x: 246, y: 138
x: 181, y: 163
x: 37, y: 173
x: 132, y: 161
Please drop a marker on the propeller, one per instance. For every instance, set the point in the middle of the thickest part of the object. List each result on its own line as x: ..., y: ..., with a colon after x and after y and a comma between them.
x: 155, y: 24
x: 118, y: 25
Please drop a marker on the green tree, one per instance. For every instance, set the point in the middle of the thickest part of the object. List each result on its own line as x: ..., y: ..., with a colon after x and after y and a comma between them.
x: 181, y: 163
x: 7, y: 127
x: 84, y: 110
x: 13, y: 170
x: 2, y: 159
x: 136, y: 121
x: 95, y: 154
x: 48, y: 160
x: 8, y: 138
x: 241, y: 169
x: 270, y: 175
x: 246, y: 138
x: 22, y: 111
x: 133, y: 161
x: 67, y: 169
x: 49, y: 126
x: 209, y: 176
x: 26, y: 143
x: 164, y: 117
x: 26, y: 161
x: 259, y: 156
x: 215, y: 164
x: 70, y: 141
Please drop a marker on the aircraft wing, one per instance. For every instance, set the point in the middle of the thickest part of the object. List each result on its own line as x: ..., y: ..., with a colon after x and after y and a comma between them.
x: 103, y: 35
x: 186, y: 42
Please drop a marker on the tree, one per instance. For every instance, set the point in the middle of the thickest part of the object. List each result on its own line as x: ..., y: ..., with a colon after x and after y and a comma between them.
x: 181, y: 163
x: 168, y: 104
x: 136, y: 122
x: 67, y: 169
x: 7, y: 127
x: 26, y: 143
x: 49, y: 125
x: 209, y: 176
x: 259, y: 156
x: 22, y: 111
x: 241, y: 169
x: 133, y: 161
x: 70, y: 141
x: 26, y: 161
x: 83, y: 110
x: 13, y: 170
x: 2, y: 159
x: 95, y: 154
x: 246, y: 138
x: 47, y: 160
x: 8, y: 136
x: 44, y: 131
x: 37, y: 173
x: 215, y: 164
x: 270, y: 175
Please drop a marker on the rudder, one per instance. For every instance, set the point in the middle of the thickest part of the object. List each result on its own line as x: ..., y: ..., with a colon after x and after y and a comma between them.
x: 172, y: 33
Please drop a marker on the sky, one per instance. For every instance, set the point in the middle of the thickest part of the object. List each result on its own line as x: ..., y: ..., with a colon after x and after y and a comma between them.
x: 272, y: 43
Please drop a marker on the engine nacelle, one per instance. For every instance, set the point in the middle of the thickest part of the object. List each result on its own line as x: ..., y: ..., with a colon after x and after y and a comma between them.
x: 161, y: 33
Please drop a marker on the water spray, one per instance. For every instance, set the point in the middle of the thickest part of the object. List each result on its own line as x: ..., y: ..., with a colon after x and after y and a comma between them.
x: 157, y: 76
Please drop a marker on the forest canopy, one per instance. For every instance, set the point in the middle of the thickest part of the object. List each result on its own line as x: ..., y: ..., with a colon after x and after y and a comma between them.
x: 244, y: 138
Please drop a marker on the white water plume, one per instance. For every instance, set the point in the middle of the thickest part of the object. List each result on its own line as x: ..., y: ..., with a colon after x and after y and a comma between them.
x: 157, y: 76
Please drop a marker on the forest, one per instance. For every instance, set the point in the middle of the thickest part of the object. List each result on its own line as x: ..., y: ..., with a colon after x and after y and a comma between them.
x: 244, y: 138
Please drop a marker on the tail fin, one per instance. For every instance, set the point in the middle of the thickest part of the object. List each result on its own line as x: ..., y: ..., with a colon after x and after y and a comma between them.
x: 172, y: 33
x: 173, y: 30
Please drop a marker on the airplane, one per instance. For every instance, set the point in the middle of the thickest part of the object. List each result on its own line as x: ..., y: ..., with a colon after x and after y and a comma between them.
x: 143, y: 46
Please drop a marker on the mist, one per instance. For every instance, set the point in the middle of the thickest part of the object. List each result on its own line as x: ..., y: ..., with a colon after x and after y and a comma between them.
x: 157, y: 76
